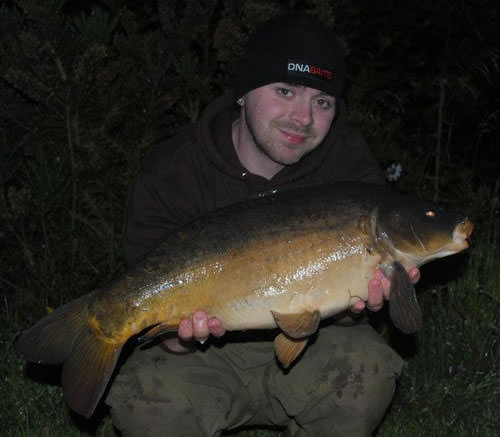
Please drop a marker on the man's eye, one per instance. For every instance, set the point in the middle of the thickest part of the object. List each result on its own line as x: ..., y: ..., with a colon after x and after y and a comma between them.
x: 284, y: 92
x: 325, y: 104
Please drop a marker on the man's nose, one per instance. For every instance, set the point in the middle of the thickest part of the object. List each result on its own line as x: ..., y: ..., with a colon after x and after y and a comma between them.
x: 302, y: 113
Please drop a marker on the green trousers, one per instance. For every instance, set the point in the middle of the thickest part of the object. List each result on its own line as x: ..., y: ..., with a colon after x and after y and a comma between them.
x: 340, y: 386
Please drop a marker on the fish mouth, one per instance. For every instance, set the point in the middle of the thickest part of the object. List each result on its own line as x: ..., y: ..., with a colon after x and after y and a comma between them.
x: 462, y: 233
x: 456, y: 244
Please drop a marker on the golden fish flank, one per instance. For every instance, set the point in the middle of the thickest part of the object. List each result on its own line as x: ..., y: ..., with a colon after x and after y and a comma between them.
x: 286, y: 260
x: 297, y: 275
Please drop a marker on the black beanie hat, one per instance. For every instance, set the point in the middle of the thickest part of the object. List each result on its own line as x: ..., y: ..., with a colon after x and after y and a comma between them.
x: 294, y: 48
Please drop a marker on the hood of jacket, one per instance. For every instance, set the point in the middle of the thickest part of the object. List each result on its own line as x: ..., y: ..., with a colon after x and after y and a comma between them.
x: 214, y: 131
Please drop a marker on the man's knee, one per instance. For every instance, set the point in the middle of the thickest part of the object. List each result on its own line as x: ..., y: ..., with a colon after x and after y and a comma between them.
x: 159, y: 394
x: 354, y: 405
x: 343, y: 385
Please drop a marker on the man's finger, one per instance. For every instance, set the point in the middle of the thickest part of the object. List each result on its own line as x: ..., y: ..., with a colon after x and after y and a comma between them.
x: 185, y: 330
x: 358, y: 306
x: 414, y: 275
x: 215, y: 327
x: 376, y: 292
x: 375, y: 300
x: 200, y: 326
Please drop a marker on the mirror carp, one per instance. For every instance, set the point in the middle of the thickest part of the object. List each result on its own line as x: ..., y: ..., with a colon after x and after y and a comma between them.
x: 284, y: 260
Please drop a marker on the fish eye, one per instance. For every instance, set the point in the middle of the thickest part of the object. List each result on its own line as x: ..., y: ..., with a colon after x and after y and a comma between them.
x: 430, y: 213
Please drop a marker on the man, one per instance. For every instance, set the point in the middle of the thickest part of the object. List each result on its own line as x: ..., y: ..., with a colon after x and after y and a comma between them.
x: 289, y: 131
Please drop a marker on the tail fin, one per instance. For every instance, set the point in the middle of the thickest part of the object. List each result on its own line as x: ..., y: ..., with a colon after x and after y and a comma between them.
x: 52, y: 338
x: 87, y: 371
x: 65, y: 337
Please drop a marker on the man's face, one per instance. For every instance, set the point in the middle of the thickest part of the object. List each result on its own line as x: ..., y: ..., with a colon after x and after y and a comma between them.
x: 285, y: 122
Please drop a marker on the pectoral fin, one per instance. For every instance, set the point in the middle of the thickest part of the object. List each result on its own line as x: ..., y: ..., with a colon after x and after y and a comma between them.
x: 403, y: 305
x: 297, y: 325
x: 288, y: 349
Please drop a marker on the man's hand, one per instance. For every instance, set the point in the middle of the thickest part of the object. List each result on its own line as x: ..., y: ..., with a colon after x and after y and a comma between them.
x: 198, y: 328
x: 379, y: 289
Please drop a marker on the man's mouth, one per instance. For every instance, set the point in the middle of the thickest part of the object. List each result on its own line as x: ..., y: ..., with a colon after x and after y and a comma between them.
x: 293, y: 137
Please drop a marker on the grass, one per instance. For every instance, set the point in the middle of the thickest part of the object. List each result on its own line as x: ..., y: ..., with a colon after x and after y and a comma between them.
x: 452, y: 386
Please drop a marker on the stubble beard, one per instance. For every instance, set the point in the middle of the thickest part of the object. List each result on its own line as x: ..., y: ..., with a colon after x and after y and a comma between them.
x: 271, y: 147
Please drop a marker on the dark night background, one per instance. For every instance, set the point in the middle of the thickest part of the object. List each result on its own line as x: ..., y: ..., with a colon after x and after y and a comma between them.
x: 87, y: 87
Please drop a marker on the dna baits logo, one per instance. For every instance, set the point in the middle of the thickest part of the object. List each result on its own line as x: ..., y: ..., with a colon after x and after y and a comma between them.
x: 308, y: 69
